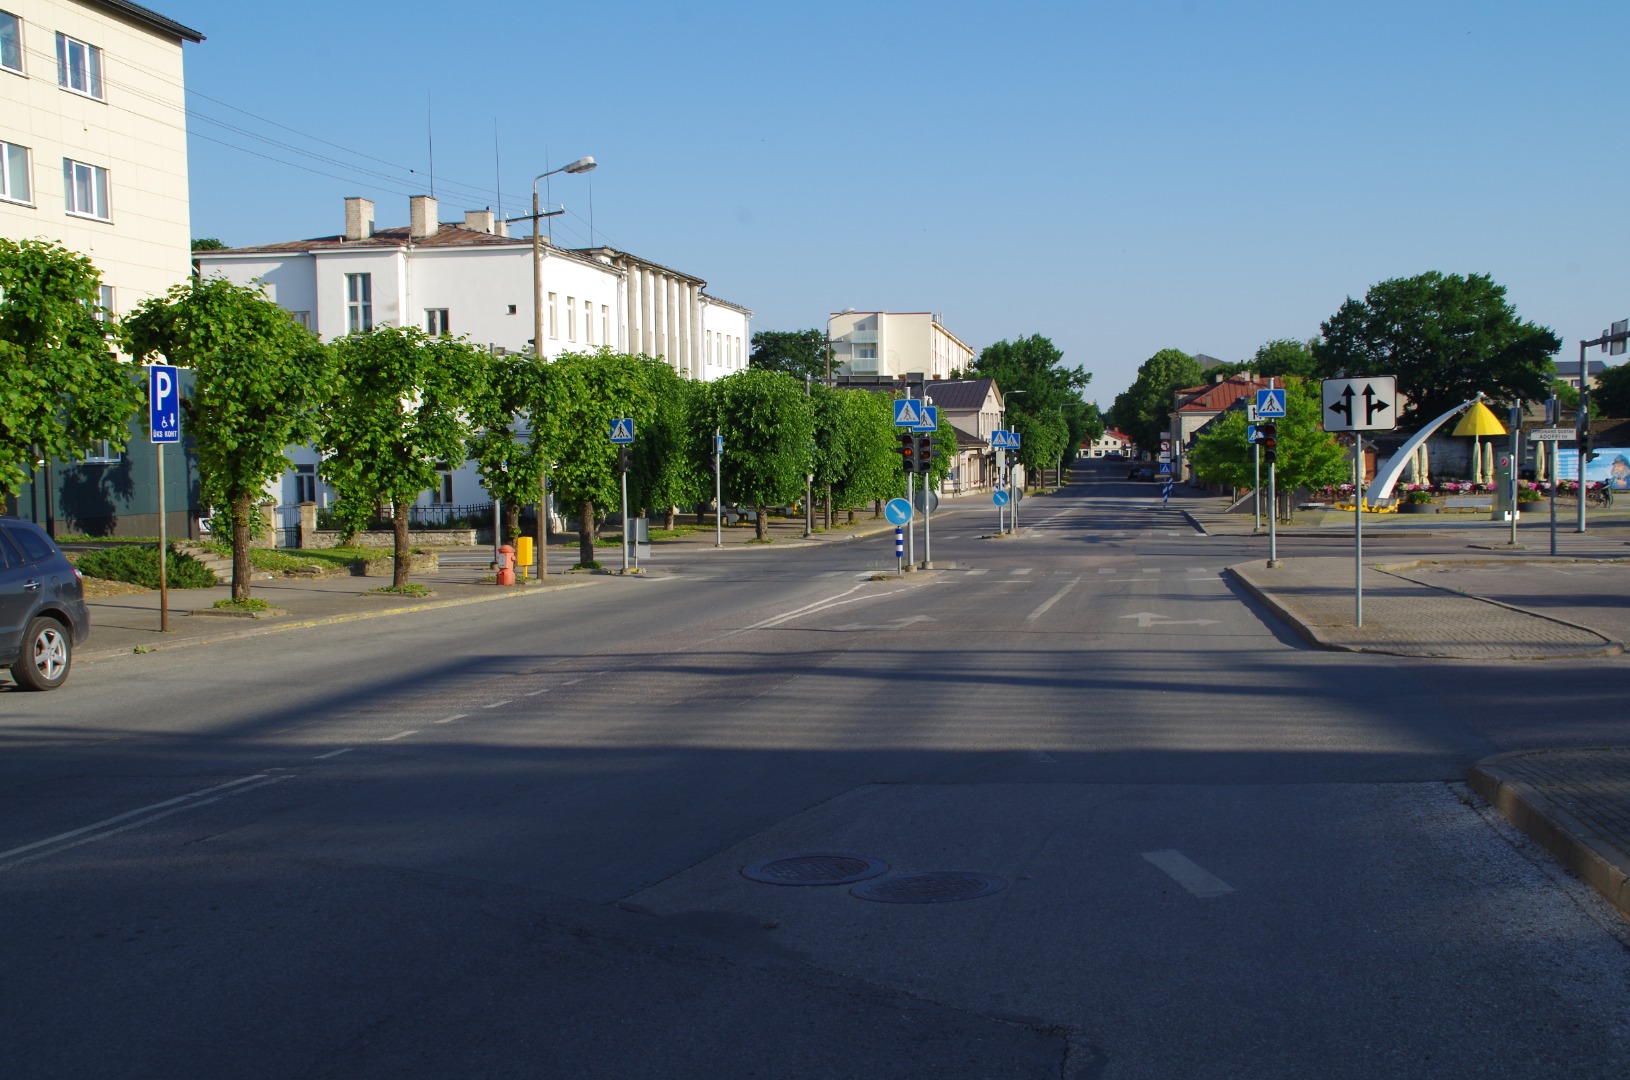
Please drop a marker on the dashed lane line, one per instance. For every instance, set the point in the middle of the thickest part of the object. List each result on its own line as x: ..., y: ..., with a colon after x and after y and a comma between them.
x: 332, y: 753
x: 1196, y: 879
x: 399, y: 735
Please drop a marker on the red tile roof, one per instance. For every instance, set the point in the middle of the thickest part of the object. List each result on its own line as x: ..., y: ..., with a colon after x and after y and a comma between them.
x: 1215, y: 397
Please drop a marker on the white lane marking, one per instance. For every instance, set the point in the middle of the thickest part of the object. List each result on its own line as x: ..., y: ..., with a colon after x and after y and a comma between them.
x: 1055, y: 598
x: 399, y: 735
x: 1147, y: 619
x: 197, y: 802
x: 332, y: 753
x: 970, y: 571
x: 450, y: 719
x: 1021, y: 570
x: 493, y: 705
x: 535, y: 693
x: 1108, y: 570
x: 1196, y: 879
x: 1146, y: 569
x: 571, y: 682
x: 105, y: 822
x: 795, y: 612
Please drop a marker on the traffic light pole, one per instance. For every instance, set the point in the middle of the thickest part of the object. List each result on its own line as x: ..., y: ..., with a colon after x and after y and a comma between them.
x: 1256, y: 483
x: 718, y: 494
x: 625, y: 520
x: 1273, y: 517
x: 1582, y: 424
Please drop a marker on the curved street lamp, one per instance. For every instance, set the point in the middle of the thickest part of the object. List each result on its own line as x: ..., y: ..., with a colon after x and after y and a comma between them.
x: 581, y: 165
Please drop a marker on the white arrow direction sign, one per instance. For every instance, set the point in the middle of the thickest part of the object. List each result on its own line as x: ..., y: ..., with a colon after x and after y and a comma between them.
x: 1147, y: 619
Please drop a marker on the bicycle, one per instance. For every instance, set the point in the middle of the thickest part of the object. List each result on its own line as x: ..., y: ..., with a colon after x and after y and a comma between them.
x: 1599, y: 495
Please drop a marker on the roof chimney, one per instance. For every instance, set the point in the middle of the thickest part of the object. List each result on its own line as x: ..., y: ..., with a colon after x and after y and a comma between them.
x: 359, y: 218
x: 479, y: 221
x: 423, y: 217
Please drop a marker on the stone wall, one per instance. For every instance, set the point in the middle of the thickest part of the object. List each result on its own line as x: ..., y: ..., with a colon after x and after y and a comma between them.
x: 327, y: 538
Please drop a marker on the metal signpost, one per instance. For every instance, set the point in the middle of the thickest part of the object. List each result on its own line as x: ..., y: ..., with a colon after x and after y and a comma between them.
x: 622, y: 436
x: 1360, y: 405
x: 927, y: 425
x: 164, y: 425
x: 1013, y: 514
x: 1256, y: 462
x: 718, y: 495
x: 1548, y: 438
x: 1270, y: 406
x: 1612, y: 341
x: 898, y: 511
x: 907, y: 415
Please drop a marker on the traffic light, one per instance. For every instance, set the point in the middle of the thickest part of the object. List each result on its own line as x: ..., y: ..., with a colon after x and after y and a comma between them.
x: 1268, y: 435
x: 908, y: 452
x: 925, y: 452
x: 622, y: 459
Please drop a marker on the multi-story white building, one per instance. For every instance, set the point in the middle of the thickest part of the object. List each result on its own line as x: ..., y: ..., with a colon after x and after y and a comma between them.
x: 93, y: 139
x: 893, y: 343
x: 472, y: 279
x: 93, y: 156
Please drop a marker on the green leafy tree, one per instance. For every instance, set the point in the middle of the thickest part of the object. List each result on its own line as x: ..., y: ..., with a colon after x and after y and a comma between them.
x: 62, y: 388
x: 798, y: 353
x: 1034, y: 381
x: 1042, y: 441
x: 207, y: 243
x: 402, y: 407
x: 260, y: 384
x: 1445, y: 337
x: 1309, y: 456
x: 1611, y: 396
x: 768, y: 426
x: 672, y: 466
x: 1143, y: 410
x: 1282, y: 356
x: 510, y: 451
x: 586, y: 391
x: 873, y: 470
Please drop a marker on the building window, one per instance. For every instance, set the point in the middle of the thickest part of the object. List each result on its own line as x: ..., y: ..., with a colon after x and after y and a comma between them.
x: 554, y: 316
x: 11, y: 42
x: 571, y: 318
x: 104, y: 300
x: 103, y: 452
x: 442, y: 493
x: 86, y: 189
x: 605, y: 324
x: 15, y: 185
x: 865, y: 352
x: 435, y: 321
x: 359, y: 303
x: 79, y: 67
x: 303, y: 318
x: 707, y: 346
x: 305, y: 483
x: 588, y: 322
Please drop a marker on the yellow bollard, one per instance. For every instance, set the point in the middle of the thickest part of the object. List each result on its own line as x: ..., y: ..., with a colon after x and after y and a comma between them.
x: 523, y: 555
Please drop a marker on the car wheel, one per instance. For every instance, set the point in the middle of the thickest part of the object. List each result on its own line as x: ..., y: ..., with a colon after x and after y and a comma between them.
x: 48, y: 653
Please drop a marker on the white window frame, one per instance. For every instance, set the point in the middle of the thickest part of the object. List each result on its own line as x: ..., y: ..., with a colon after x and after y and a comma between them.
x: 104, y: 301
x: 8, y: 174
x: 303, y: 318
x: 571, y: 318
x: 436, y: 322
x: 305, y: 483
x: 17, y: 27
x: 98, y: 190
x: 103, y: 453
x: 605, y: 324
x: 588, y: 322
x: 359, y: 303
x: 89, y: 72
x: 442, y: 493
x: 554, y: 316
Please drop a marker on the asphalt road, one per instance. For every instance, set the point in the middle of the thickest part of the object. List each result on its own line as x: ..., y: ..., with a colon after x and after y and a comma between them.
x: 506, y: 840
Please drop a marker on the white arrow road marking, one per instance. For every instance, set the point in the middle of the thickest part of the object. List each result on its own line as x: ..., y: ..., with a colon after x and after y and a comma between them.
x: 1055, y: 598
x: 1147, y: 619
x: 1196, y: 879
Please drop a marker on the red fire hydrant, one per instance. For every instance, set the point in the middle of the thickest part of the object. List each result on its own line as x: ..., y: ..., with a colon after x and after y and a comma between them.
x: 506, y: 565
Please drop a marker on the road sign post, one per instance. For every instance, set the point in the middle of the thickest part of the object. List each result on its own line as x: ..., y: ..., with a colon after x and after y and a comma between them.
x: 1368, y: 403
x: 899, y: 550
x: 164, y: 426
x: 1547, y: 438
x: 622, y: 436
x: 718, y: 495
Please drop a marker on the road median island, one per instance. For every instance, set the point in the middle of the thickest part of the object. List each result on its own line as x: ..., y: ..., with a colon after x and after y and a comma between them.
x: 1403, y: 617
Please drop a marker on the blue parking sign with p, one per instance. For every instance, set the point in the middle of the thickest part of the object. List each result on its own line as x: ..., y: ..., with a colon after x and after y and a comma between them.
x: 163, y: 404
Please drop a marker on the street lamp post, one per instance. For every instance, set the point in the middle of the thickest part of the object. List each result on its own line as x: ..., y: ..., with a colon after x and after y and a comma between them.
x: 581, y: 165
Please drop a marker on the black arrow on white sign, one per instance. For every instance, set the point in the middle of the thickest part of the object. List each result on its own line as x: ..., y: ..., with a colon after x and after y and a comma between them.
x: 1344, y: 407
x: 1371, y: 405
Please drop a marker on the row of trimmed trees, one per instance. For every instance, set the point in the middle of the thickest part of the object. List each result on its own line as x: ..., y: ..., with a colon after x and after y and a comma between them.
x: 388, y: 409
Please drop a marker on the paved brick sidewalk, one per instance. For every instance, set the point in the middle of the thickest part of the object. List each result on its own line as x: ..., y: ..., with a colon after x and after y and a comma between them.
x: 1408, y: 618
x: 1574, y: 803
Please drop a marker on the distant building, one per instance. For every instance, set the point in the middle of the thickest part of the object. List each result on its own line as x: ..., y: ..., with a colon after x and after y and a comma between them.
x: 894, y: 344
x: 1194, y: 407
x: 1567, y: 371
x: 93, y: 156
x: 974, y: 408
x: 1110, y: 442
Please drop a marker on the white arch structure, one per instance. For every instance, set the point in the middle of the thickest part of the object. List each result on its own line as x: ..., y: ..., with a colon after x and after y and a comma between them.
x: 1387, y: 476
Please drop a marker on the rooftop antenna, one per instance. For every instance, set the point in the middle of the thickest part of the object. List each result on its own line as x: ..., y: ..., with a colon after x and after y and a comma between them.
x: 497, y: 169
x: 548, y: 198
x: 430, y: 135
x: 591, y: 211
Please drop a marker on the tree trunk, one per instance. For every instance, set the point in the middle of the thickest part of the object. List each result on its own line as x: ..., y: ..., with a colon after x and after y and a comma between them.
x: 826, y: 506
x: 851, y: 515
x: 241, y: 508
x: 761, y: 527
x: 668, y: 517
x: 585, y: 534
x: 404, y: 558
x: 511, y: 514
x: 877, y: 508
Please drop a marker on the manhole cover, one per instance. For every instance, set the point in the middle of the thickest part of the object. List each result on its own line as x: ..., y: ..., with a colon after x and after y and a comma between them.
x: 930, y: 887
x: 814, y: 869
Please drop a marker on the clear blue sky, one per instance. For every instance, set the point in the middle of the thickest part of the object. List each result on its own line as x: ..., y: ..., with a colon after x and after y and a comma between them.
x: 1120, y: 177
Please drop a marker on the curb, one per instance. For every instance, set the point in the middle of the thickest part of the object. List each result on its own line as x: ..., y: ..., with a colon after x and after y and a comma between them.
x: 327, y: 620
x: 1575, y: 845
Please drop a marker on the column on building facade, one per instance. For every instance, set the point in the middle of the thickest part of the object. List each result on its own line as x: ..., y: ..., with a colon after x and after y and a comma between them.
x: 660, y: 318
x: 670, y: 322
x: 648, y: 302
x: 687, y: 330
x: 631, y: 309
x: 698, y: 357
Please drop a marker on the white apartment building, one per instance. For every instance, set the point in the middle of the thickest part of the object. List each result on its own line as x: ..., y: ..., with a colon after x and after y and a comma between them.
x: 894, y: 343
x: 93, y: 139
x: 473, y: 280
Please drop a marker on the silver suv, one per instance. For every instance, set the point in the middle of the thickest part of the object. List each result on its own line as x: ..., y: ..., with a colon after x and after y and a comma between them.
x: 42, y: 607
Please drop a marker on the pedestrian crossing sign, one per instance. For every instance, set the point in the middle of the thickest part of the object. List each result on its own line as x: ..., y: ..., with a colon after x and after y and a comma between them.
x: 622, y: 430
x: 1165, y: 468
x: 1270, y: 404
x: 908, y: 413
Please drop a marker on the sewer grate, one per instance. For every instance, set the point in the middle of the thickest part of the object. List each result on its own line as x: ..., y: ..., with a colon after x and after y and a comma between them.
x: 930, y: 887
x: 814, y: 869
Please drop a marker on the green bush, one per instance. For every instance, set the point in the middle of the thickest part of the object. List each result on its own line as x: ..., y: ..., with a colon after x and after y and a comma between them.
x: 139, y: 566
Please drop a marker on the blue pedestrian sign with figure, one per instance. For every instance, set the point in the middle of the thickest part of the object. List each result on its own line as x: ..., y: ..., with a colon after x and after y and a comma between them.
x: 1270, y: 404
x: 1165, y: 468
x: 908, y: 413
x: 930, y: 420
x: 163, y: 404
x: 622, y: 430
x: 898, y: 511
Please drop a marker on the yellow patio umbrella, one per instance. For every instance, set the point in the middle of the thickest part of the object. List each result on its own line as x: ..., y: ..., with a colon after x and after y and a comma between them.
x: 1478, y: 422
